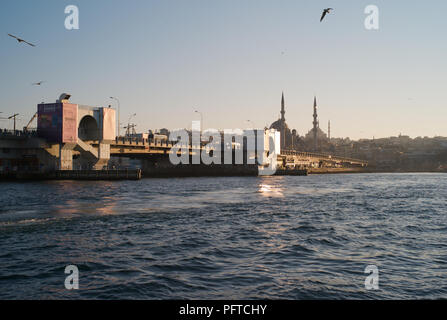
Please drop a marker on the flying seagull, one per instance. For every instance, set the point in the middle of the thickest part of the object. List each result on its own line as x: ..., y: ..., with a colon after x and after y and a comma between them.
x: 21, y: 40
x: 38, y: 83
x: 325, y: 12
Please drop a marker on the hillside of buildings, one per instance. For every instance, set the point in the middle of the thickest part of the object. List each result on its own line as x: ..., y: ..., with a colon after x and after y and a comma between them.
x: 400, y: 153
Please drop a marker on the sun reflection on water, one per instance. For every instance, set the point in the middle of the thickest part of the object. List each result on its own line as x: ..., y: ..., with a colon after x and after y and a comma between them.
x: 269, y: 190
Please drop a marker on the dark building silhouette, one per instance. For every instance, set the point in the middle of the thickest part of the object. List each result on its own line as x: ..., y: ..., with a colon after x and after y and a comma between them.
x: 289, y: 139
x: 316, y: 138
x: 316, y: 124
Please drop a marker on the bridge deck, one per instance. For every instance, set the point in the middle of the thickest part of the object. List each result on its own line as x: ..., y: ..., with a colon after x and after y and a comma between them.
x: 323, y: 156
x: 126, y: 146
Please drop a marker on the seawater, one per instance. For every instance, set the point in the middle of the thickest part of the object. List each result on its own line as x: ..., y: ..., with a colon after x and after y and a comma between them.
x: 226, y: 238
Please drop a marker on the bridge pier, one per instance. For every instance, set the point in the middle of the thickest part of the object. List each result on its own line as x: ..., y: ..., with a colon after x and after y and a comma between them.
x: 66, y: 156
x: 103, y: 156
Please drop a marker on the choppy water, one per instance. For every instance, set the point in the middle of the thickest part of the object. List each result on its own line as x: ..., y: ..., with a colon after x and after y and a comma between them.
x: 236, y: 238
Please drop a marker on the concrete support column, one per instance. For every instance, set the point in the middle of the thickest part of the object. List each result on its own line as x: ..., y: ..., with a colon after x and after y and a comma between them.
x: 66, y: 157
x: 103, y: 156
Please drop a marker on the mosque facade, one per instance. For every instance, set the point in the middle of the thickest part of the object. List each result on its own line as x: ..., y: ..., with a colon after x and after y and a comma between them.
x: 290, y: 140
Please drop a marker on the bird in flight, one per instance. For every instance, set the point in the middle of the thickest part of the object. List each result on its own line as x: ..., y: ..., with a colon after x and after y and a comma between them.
x: 38, y: 83
x: 21, y: 40
x: 325, y: 12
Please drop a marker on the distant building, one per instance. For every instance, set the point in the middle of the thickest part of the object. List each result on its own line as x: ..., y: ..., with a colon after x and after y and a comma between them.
x: 316, y: 140
x: 316, y: 137
x: 289, y: 139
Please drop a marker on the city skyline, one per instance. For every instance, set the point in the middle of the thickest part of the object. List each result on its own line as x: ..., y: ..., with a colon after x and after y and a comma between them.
x: 229, y: 157
x: 231, y: 61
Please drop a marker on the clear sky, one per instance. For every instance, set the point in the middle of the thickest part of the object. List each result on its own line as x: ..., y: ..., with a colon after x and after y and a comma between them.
x: 231, y: 59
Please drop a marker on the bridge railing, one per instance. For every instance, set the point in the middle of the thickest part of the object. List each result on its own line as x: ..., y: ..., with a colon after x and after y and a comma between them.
x: 18, y: 133
x: 130, y: 141
x: 320, y: 155
x: 142, y: 141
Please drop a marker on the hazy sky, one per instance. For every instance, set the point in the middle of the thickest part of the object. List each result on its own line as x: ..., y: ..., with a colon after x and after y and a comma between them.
x: 231, y: 59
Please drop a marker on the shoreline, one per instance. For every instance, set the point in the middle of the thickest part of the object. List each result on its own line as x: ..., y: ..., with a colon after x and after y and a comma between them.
x: 111, y: 175
x: 356, y: 171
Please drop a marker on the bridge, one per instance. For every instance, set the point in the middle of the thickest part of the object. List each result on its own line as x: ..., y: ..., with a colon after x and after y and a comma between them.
x: 140, y: 148
x: 28, y: 147
x: 77, y: 136
x: 309, y: 159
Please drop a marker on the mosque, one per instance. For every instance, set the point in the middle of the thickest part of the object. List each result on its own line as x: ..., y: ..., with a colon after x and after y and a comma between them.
x: 313, y: 141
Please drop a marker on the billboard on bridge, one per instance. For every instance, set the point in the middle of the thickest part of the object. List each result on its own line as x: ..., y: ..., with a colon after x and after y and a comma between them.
x: 108, y: 124
x: 57, y: 122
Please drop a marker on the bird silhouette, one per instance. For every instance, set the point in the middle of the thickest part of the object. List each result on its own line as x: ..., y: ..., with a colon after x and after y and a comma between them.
x: 325, y: 12
x: 38, y: 83
x: 21, y: 40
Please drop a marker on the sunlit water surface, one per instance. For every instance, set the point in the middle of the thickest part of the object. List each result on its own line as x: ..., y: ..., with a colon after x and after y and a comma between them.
x: 234, y: 238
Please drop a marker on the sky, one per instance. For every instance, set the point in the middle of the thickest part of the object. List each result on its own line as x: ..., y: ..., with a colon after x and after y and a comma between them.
x: 231, y: 60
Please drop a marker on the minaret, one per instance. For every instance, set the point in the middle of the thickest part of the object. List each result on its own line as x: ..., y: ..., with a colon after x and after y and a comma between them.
x: 315, y: 123
x: 329, y: 130
x: 283, y: 111
x: 282, y: 124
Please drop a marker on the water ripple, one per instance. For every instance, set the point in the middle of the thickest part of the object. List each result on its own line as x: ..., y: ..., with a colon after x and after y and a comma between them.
x: 236, y: 238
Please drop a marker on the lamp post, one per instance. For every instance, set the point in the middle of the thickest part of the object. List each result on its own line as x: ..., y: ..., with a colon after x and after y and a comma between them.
x: 119, y: 107
x: 201, y: 119
x: 14, y: 116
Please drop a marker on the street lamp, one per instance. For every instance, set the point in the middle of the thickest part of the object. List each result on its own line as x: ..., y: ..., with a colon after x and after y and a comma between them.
x: 201, y: 119
x: 14, y: 116
x: 119, y: 106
